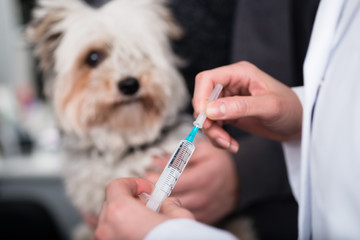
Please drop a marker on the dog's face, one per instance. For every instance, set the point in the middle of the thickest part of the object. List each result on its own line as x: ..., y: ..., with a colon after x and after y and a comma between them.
x: 112, y: 67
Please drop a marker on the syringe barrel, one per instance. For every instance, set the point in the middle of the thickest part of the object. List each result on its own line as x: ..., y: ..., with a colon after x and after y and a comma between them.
x: 170, y: 175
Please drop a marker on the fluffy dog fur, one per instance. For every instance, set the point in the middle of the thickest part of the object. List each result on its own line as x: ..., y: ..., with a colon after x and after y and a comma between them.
x: 88, y: 55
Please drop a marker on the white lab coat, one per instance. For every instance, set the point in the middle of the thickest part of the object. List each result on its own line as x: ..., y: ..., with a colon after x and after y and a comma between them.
x: 326, y: 179
x: 324, y: 169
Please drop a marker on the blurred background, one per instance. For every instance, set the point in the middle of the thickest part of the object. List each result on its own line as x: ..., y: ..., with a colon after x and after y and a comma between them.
x: 33, y: 204
x: 272, y: 34
x: 32, y: 200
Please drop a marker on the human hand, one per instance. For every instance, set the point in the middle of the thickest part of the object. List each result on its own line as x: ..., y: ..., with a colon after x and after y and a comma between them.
x: 91, y: 220
x: 251, y: 100
x: 123, y: 212
x: 208, y: 186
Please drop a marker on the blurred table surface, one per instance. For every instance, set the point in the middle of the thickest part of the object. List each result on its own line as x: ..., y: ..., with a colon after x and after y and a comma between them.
x: 37, y: 177
x: 36, y: 165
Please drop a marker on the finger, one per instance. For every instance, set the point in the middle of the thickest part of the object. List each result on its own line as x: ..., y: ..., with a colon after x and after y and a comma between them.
x: 124, y: 187
x: 190, y: 200
x: 208, y: 123
x: 161, y: 161
x: 221, y: 138
x: 158, y: 164
x: 263, y: 107
x: 187, y: 181
x: 234, y: 74
x: 90, y: 219
x: 201, y: 153
x: 102, y: 213
x: 103, y: 232
x: 152, y: 176
x: 172, y: 207
x: 192, y: 180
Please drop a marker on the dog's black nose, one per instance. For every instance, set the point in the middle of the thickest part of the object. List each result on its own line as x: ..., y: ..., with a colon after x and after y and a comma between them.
x: 129, y: 85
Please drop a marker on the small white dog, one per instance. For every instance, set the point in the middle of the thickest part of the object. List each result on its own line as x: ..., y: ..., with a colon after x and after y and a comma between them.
x: 113, y: 81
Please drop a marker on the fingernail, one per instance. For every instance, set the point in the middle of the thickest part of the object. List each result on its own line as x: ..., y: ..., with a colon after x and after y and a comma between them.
x: 223, y: 143
x: 216, y: 109
x: 206, y: 125
x: 234, y: 148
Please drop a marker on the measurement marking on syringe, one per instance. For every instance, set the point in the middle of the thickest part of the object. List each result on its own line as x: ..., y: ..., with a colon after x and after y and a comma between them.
x: 178, y: 161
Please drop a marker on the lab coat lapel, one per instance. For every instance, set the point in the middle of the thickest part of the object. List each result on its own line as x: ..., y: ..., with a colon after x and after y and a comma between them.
x: 347, y: 14
x: 321, y: 43
x: 319, y: 51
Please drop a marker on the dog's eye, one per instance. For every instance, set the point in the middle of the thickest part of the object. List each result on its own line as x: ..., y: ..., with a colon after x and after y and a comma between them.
x: 94, y: 58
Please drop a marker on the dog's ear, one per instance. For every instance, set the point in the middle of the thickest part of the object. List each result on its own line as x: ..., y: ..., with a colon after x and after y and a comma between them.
x: 45, y: 30
x: 175, y: 31
x: 173, y: 28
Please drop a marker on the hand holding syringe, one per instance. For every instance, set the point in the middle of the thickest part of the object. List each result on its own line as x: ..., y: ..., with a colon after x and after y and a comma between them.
x: 178, y: 161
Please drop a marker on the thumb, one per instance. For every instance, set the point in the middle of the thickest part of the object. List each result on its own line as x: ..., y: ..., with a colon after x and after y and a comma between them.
x: 241, y: 106
x: 172, y: 208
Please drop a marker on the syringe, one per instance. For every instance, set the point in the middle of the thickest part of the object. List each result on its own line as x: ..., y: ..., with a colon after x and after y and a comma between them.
x: 178, y: 160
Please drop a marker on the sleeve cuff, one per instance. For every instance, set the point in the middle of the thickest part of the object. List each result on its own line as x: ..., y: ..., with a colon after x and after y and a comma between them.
x: 179, y: 229
x: 292, y: 153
